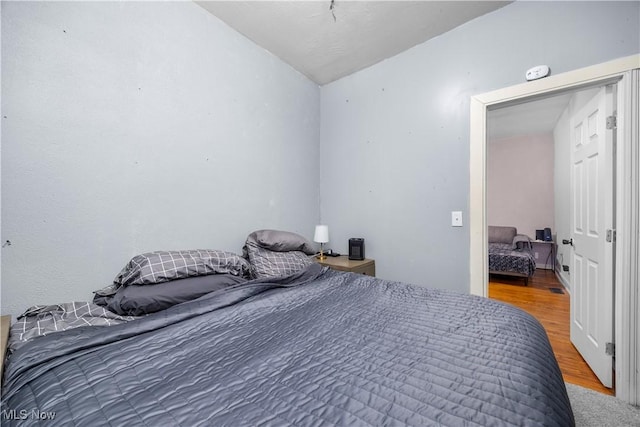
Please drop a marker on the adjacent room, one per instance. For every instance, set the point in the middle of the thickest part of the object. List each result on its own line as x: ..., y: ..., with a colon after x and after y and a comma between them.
x: 223, y: 148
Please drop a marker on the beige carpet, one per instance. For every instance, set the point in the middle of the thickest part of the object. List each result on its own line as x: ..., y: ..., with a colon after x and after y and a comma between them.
x: 593, y: 409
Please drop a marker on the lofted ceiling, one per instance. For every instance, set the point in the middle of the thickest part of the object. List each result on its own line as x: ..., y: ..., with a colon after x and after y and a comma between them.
x: 327, y: 40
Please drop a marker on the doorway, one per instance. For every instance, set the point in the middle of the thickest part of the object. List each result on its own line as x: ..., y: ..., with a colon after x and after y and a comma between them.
x: 627, y: 297
x: 530, y: 174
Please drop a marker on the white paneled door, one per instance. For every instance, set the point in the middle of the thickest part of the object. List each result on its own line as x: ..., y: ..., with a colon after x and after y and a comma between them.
x: 592, y: 233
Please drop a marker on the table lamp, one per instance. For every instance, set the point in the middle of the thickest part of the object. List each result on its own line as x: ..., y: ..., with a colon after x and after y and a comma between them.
x: 321, y: 236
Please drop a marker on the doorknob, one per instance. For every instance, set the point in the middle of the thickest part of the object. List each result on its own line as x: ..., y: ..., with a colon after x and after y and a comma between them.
x: 567, y: 242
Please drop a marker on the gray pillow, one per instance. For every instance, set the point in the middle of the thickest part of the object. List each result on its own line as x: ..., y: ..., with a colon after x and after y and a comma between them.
x: 521, y: 241
x: 267, y: 263
x: 162, y: 266
x: 137, y: 300
x: 281, y: 241
x: 498, y: 234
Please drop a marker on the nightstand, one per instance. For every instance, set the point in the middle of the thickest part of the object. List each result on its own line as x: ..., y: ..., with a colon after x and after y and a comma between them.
x: 5, y: 323
x: 343, y: 263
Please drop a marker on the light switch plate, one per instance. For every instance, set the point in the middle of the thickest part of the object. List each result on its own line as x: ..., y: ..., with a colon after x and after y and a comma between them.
x: 456, y: 218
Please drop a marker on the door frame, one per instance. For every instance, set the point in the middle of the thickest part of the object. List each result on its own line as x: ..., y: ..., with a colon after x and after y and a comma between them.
x: 627, y: 296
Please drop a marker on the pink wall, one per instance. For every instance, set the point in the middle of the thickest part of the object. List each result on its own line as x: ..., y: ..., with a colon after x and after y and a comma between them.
x: 520, y: 182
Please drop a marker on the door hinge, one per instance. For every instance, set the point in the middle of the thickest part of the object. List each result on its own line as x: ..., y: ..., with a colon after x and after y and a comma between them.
x: 612, y: 122
x: 611, y: 235
x: 610, y: 349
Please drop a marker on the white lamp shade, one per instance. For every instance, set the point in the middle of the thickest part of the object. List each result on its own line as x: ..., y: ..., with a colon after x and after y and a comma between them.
x: 322, y: 234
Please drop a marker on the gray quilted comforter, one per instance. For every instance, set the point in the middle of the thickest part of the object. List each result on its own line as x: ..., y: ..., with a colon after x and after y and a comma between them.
x: 503, y: 258
x: 319, y: 348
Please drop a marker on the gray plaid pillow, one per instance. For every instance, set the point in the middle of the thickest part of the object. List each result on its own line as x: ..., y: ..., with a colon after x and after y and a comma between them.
x: 266, y: 263
x: 163, y: 266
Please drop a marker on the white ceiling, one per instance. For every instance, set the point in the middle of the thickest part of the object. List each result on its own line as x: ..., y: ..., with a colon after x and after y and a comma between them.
x: 326, y: 44
x: 530, y: 118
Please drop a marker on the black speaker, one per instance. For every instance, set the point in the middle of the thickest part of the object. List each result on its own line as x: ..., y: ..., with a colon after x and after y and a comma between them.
x: 356, y: 249
x: 547, y: 235
x: 539, y: 234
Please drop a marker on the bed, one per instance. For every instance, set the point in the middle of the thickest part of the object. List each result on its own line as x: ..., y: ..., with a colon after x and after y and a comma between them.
x: 314, y: 347
x: 510, y: 253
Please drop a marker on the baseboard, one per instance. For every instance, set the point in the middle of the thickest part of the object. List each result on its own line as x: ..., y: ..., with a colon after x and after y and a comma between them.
x: 564, y: 283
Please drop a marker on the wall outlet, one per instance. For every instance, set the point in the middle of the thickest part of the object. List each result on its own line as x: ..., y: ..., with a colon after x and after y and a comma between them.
x: 535, y: 255
x: 456, y: 218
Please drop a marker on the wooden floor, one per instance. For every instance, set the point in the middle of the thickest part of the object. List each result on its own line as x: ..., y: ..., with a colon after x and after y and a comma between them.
x: 552, y: 310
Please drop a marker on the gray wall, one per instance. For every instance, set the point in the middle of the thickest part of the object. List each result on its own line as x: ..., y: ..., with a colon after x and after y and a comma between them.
x: 394, y: 143
x: 129, y: 127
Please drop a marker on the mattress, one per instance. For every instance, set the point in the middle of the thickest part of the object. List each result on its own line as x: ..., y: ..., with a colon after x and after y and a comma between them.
x: 504, y: 259
x: 318, y: 348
